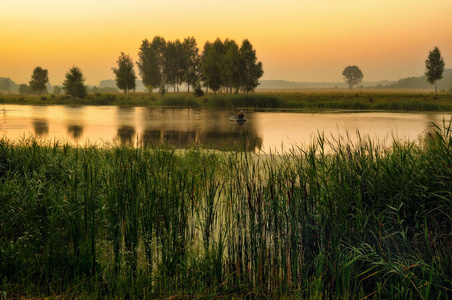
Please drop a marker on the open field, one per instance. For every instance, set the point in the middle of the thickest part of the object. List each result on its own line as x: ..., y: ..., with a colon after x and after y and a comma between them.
x: 320, y: 99
x: 365, y: 221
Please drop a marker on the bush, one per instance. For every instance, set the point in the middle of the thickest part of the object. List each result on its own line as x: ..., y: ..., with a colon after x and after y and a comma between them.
x: 198, y: 92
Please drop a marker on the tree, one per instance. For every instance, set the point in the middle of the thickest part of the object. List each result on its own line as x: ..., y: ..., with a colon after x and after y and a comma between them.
x: 211, y: 66
x: 232, y: 65
x: 57, y: 90
x: 352, y: 75
x: 250, y: 69
x: 39, y: 79
x: 151, y: 62
x: 434, y: 67
x: 125, y: 74
x: 74, y: 83
x: 171, y: 67
x: 191, y: 71
x: 5, y: 85
x: 23, y: 88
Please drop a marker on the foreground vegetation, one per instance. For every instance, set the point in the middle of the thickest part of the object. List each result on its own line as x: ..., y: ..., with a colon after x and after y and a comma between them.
x: 307, y: 101
x: 362, y: 221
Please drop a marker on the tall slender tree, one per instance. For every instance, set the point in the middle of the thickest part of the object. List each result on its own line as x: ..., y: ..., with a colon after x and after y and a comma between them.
x: 434, y: 67
x: 125, y: 74
x: 191, y: 71
x: 232, y: 66
x: 39, y: 79
x: 151, y: 62
x: 250, y: 70
x: 211, y: 66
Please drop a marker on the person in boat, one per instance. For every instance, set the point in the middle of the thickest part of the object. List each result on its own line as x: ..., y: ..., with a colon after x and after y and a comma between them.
x: 241, y: 116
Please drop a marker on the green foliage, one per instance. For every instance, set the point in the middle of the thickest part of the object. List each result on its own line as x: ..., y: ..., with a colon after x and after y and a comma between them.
x: 39, y: 79
x: 434, y: 67
x: 74, y: 83
x: 352, y: 75
x: 125, y: 74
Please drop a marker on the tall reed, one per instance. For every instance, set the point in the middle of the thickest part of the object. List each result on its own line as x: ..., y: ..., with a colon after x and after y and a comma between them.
x: 333, y: 220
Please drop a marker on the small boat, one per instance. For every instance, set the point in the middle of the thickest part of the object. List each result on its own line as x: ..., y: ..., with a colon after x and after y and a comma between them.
x: 235, y: 119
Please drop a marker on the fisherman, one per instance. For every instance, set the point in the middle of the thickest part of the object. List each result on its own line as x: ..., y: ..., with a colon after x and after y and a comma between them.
x: 241, y: 116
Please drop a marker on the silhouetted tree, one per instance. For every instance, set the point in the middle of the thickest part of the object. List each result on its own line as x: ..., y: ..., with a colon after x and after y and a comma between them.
x: 352, y: 75
x: 434, y: 67
x: 39, y: 79
x: 125, y: 74
x: 74, y: 83
x: 250, y: 70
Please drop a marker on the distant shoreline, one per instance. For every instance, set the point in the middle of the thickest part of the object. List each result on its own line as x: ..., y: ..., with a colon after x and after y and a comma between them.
x: 305, y: 99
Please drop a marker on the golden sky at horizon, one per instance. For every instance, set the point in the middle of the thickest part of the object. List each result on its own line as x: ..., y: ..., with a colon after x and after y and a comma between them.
x: 295, y: 40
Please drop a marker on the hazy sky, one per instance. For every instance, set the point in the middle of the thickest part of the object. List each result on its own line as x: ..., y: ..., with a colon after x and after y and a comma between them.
x: 297, y: 40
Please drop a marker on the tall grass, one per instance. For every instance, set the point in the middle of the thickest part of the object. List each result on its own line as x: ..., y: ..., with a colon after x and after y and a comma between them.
x: 360, y: 221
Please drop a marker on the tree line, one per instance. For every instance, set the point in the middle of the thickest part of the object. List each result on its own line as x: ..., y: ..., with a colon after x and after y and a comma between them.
x: 221, y: 66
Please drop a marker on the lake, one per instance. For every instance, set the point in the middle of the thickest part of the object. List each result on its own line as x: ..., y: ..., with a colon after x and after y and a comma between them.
x: 184, y: 127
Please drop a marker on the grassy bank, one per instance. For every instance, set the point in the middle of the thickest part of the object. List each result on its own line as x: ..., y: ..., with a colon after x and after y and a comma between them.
x: 365, y: 221
x: 345, y: 100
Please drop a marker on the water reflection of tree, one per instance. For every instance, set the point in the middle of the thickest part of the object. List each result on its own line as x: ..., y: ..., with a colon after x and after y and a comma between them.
x: 41, y: 127
x: 179, y: 139
x: 126, y: 134
x: 183, y: 128
x: 237, y: 139
x: 151, y: 137
x: 75, y: 131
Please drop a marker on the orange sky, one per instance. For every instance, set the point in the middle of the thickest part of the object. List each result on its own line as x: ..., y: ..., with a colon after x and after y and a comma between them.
x: 297, y: 40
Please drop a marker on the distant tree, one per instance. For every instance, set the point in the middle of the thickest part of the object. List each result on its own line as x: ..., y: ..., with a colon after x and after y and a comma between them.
x: 125, y: 74
x: 57, y: 90
x: 434, y: 67
x: 352, y: 75
x: 74, y: 83
x: 39, y: 79
x: 5, y: 85
x: 250, y: 70
x: 23, y: 88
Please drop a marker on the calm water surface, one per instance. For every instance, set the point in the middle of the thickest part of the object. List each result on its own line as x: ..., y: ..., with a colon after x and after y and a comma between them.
x: 183, y: 127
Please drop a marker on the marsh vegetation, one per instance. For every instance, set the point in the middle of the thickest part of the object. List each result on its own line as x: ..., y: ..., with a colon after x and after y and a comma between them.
x: 117, y: 222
